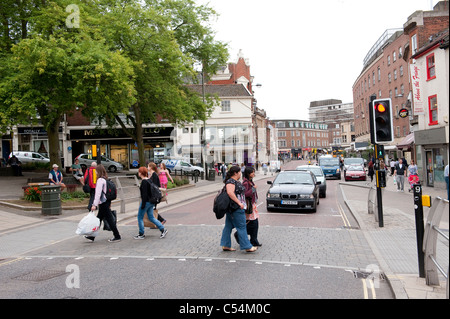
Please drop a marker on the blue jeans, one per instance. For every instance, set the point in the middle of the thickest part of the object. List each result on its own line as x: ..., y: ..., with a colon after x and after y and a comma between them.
x: 236, y: 220
x: 446, y: 182
x: 149, y: 210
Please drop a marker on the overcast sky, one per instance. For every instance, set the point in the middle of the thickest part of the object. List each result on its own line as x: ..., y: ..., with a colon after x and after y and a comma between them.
x: 303, y: 51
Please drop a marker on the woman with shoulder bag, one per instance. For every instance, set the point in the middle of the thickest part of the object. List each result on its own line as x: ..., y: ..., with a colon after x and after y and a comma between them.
x: 236, y: 217
x: 104, y: 205
x: 251, y: 213
x: 146, y: 207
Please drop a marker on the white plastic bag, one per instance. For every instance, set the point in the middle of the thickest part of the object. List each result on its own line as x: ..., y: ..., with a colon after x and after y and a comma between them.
x: 395, y: 180
x: 89, y: 225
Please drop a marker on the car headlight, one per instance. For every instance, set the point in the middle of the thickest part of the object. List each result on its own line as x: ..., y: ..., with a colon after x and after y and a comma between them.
x: 337, y: 170
x: 273, y: 195
x: 306, y: 196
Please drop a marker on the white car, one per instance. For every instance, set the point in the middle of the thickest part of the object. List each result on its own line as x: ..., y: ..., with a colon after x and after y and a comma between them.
x: 29, y: 157
x: 183, y: 166
x: 87, y: 159
x: 320, y: 176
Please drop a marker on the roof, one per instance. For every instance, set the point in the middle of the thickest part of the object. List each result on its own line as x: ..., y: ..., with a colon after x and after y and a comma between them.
x: 407, y: 141
x: 222, y: 90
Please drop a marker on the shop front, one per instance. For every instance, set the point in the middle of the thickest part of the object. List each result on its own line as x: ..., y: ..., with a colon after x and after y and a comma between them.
x: 432, y: 155
x: 116, y: 145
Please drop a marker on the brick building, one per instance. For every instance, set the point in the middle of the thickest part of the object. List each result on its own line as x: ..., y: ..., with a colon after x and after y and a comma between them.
x: 385, y: 75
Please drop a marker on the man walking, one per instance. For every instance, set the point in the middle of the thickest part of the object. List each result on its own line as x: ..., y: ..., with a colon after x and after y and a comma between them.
x: 400, y: 174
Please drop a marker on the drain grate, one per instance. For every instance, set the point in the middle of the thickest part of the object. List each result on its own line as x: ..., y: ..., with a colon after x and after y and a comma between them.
x: 40, y: 275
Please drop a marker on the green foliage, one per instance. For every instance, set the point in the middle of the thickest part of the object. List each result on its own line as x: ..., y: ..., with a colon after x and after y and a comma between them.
x: 33, y: 194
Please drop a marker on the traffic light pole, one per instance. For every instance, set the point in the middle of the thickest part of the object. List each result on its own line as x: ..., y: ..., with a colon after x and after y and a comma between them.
x: 380, y: 182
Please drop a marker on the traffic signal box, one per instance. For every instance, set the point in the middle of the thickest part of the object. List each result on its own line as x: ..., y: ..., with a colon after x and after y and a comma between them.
x: 382, y: 121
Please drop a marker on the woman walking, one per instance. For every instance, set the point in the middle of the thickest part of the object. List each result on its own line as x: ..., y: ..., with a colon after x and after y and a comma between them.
x: 236, y: 218
x: 153, y: 176
x: 251, y: 213
x: 146, y: 207
x: 164, y: 175
x: 103, y: 205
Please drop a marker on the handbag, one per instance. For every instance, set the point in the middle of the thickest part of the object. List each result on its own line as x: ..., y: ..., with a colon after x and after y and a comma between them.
x: 249, y: 209
x: 148, y: 223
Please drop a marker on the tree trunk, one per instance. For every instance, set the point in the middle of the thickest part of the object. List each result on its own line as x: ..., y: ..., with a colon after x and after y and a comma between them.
x: 139, y: 135
x: 53, y: 142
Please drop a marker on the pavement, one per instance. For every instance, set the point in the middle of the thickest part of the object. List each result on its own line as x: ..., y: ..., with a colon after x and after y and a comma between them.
x: 394, y: 245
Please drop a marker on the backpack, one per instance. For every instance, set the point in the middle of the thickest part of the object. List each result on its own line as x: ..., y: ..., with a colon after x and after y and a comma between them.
x: 111, y: 190
x: 154, y: 194
x: 221, y: 203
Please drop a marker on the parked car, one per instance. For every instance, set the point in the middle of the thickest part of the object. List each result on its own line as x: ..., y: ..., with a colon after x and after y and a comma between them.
x: 293, y: 190
x: 183, y: 166
x: 320, y: 176
x: 355, y: 173
x: 87, y: 159
x: 29, y: 157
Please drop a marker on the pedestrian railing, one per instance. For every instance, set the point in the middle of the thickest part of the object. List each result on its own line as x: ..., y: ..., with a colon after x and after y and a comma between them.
x: 432, y: 231
x: 372, y: 204
x: 127, y: 189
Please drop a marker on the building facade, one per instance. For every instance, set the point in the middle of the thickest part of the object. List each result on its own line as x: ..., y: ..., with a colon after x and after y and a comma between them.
x: 384, y: 75
x: 429, y: 69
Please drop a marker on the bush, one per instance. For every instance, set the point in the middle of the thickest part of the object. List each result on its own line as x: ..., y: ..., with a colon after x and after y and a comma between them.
x: 177, y: 182
x: 33, y: 194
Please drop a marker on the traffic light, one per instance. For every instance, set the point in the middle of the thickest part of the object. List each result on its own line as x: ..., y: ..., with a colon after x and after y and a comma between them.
x: 382, y: 121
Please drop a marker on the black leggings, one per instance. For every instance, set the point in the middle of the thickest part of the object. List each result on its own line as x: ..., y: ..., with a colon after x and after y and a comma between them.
x: 104, y: 213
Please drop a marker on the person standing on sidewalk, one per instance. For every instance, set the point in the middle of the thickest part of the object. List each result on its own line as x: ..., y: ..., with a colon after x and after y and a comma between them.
x: 236, y: 218
x: 146, y: 207
x: 104, y: 205
x: 446, y: 179
x: 400, y: 173
x: 153, y: 176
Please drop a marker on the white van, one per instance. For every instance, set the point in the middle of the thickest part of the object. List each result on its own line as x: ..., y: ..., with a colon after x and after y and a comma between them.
x: 182, y: 165
x: 29, y: 157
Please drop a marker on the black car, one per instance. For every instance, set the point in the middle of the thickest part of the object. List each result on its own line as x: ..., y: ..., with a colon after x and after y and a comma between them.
x: 293, y: 190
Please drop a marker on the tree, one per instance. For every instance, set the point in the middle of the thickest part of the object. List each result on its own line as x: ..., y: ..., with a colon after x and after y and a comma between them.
x: 54, y: 70
x: 166, y: 38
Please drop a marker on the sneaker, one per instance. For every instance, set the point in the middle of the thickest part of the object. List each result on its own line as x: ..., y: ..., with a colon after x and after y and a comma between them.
x: 91, y: 238
x: 114, y: 240
x: 163, y: 233
x: 139, y: 236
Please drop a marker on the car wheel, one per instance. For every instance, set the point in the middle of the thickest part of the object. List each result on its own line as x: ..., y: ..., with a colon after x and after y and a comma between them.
x: 112, y: 169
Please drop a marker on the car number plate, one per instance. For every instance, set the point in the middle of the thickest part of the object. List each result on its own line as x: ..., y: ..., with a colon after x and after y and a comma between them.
x: 289, y: 202
x: 355, y: 176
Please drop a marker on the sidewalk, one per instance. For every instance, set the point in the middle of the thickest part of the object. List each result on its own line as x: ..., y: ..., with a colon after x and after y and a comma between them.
x: 394, y: 245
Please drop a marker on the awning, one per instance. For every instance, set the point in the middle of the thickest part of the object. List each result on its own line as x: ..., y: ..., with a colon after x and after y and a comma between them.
x: 406, y: 142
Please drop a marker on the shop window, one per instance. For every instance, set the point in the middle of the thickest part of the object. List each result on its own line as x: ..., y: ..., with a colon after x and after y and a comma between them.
x: 433, y: 110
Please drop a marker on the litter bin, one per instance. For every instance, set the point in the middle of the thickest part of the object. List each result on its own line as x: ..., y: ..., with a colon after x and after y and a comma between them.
x: 51, y: 200
x: 212, y: 175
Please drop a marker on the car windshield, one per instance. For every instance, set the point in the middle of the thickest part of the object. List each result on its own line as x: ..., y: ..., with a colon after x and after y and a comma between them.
x: 293, y: 178
x: 350, y: 161
x: 316, y: 170
x: 356, y: 168
x: 332, y: 161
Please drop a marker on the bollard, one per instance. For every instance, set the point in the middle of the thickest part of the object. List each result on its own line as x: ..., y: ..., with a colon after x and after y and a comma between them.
x: 420, y: 229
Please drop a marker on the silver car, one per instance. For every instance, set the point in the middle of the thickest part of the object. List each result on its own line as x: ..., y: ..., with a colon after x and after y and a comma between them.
x: 87, y: 159
x: 320, y: 176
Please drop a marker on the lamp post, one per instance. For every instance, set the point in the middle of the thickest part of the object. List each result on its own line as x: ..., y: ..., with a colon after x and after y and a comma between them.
x: 254, y: 115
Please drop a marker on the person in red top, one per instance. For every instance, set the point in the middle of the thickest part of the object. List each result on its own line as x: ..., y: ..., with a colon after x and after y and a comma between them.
x: 90, y: 177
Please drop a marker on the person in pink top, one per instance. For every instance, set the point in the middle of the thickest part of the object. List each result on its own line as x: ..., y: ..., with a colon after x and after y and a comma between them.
x: 163, y: 174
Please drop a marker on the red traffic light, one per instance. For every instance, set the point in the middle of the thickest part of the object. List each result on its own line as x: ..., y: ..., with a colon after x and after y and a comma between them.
x: 380, y: 107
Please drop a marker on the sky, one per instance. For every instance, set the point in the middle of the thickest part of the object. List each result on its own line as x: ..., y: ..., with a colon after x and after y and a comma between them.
x: 303, y: 51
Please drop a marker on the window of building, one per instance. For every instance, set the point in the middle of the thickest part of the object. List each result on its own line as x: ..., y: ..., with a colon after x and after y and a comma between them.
x: 432, y: 105
x: 389, y: 60
x: 226, y: 106
x: 389, y: 78
x: 431, y: 71
x: 395, y: 74
x: 379, y: 74
x: 394, y: 56
x: 414, y: 44
x: 401, y: 70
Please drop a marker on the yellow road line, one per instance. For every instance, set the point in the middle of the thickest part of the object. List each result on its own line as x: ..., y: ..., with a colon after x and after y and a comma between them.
x: 10, y: 261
